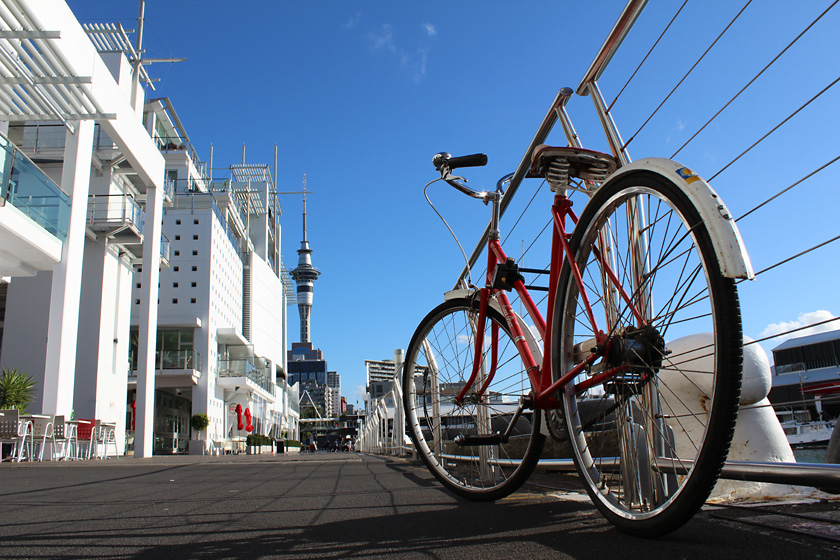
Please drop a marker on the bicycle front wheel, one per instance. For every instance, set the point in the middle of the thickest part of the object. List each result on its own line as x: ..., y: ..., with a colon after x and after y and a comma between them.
x: 650, y: 420
x: 477, y: 446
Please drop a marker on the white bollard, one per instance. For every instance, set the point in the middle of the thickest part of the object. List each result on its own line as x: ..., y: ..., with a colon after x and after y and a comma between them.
x: 758, y: 434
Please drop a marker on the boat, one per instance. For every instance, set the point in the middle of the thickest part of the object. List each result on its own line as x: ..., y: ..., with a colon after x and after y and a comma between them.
x: 803, y: 432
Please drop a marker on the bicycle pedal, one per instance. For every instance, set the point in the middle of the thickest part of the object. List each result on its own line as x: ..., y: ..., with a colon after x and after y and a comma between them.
x: 559, y: 165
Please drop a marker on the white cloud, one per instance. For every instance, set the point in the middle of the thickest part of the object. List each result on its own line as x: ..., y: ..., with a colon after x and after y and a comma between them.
x: 411, y: 60
x: 804, y: 319
x: 384, y: 39
x: 351, y: 23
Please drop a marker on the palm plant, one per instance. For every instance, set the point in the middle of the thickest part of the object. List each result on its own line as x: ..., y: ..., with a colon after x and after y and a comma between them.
x: 17, y: 389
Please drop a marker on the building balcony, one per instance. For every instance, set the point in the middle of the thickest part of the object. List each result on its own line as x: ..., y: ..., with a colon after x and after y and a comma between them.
x: 165, y: 250
x: 116, y: 216
x: 181, y: 147
x: 173, y: 368
x: 168, y: 191
x: 246, y: 372
x: 47, y: 141
x: 34, y: 215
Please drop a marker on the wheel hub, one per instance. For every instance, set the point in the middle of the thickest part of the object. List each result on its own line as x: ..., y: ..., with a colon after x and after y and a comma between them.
x: 637, y: 353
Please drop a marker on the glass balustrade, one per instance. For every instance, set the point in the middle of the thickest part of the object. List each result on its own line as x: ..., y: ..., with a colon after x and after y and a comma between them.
x: 27, y: 188
x: 165, y: 248
x: 243, y: 367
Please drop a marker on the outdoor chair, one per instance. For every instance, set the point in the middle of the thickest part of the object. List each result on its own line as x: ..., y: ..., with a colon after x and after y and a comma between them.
x: 15, y: 431
x: 60, y: 437
x: 104, y: 434
x: 86, y: 435
x: 42, y: 430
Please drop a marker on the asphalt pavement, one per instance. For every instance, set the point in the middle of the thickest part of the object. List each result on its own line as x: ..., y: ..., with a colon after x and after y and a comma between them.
x: 348, y: 505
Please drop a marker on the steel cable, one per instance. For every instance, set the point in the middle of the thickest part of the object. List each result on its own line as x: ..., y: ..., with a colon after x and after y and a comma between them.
x: 769, y: 64
x: 690, y: 70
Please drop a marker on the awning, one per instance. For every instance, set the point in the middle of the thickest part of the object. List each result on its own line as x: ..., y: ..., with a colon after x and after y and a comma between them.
x: 823, y: 388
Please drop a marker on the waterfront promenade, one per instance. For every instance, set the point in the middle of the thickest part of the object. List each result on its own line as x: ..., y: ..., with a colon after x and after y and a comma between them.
x: 333, y: 505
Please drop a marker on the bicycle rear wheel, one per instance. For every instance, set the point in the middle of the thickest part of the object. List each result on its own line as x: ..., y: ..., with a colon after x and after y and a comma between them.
x: 650, y: 436
x: 461, y: 444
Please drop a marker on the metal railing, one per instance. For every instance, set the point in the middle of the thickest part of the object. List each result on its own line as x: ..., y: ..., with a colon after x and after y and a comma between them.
x: 165, y: 249
x: 51, y: 138
x: 384, y: 433
x: 114, y: 213
x: 245, y: 367
x: 790, y: 368
x: 30, y: 190
x: 172, y: 360
x: 178, y: 144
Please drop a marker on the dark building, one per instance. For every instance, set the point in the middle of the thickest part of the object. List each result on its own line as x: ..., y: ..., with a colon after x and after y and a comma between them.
x: 307, y: 366
x: 807, y: 374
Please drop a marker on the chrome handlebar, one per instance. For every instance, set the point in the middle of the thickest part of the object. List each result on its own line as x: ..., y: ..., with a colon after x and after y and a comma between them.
x: 445, y: 163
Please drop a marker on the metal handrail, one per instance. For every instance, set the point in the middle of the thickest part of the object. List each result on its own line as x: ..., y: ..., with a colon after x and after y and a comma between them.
x: 116, y: 210
x: 614, y: 39
x: 602, y: 59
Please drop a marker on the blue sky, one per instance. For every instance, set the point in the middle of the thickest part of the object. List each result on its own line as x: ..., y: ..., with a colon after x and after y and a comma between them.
x: 360, y: 95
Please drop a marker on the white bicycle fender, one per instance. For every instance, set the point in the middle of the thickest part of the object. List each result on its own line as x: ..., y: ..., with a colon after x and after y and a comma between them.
x: 729, y: 247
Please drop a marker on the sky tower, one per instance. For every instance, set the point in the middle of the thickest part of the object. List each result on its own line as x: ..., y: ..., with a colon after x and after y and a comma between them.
x: 305, y: 275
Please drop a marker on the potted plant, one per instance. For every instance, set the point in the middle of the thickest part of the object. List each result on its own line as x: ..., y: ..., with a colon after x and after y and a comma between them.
x: 258, y: 444
x: 199, y: 423
x: 17, y: 389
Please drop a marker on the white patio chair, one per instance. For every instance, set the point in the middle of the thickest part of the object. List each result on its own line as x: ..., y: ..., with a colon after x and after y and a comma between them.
x: 42, y: 430
x: 104, y: 433
x: 15, y: 431
x: 60, y: 437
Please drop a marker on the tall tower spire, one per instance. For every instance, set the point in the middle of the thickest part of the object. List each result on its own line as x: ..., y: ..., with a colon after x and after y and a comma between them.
x: 305, y: 275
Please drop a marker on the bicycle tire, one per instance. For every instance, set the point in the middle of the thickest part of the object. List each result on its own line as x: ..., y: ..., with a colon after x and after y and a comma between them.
x: 438, y: 362
x: 649, y: 460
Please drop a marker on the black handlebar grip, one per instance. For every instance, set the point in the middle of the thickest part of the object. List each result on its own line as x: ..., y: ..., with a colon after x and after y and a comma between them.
x: 475, y: 160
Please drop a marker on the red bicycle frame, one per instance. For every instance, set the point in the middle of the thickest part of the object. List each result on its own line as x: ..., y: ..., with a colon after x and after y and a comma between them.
x: 540, y: 375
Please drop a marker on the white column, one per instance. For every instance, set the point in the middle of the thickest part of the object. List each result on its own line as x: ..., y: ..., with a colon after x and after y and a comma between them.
x: 62, y: 332
x: 149, y: 277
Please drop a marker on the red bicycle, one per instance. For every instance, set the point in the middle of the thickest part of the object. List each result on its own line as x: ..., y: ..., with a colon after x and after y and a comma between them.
x: 641, y: 303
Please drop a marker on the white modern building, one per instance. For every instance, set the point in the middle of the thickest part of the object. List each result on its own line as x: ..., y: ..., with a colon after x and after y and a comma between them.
x: 379, y: 381
x: 53, y: 75
x: 223, y: 301
x: 89, y: 177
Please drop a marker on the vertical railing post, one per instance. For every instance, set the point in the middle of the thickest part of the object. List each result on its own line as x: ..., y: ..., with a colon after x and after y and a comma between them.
x: 399, y: 409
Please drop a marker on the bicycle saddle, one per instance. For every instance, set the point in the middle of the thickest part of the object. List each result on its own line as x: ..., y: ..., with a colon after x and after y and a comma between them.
x: 559, y: 164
